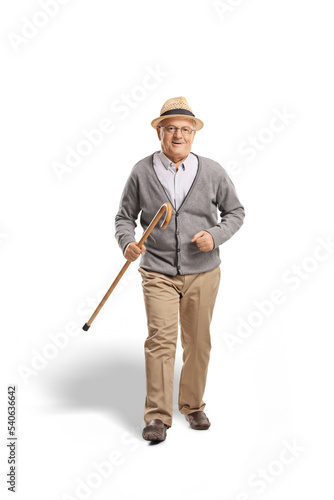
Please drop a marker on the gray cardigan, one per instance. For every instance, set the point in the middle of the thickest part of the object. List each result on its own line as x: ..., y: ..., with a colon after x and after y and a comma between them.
x: 170, y: 251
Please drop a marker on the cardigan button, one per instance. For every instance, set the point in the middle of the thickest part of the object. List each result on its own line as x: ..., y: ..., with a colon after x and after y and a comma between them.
x: 178, y: 249
x: 176, y: 214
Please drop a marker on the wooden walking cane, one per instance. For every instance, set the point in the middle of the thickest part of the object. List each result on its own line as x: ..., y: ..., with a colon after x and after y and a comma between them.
x: 165, y: 207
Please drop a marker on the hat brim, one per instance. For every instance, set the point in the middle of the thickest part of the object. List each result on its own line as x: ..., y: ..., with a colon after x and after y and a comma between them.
x: 156, y: 121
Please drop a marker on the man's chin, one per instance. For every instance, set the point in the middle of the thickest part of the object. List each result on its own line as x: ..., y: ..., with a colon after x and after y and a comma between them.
x: 176, y: 152
x: 179, y: 148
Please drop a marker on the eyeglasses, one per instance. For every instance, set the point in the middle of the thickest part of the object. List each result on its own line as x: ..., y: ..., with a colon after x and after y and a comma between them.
x: 184, y: 130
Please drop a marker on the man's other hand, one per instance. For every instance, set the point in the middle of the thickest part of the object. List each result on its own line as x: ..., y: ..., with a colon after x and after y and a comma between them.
x: 132, y: 252
x: 204, y: 241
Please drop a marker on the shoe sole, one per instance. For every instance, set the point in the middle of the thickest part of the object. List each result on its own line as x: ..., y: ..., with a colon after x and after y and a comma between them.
x: 200, y: 427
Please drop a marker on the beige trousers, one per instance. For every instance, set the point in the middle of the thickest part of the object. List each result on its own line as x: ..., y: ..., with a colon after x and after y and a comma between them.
x: 193, y: 296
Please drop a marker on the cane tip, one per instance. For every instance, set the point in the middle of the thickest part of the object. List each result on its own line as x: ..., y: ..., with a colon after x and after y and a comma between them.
x: 86, y: 327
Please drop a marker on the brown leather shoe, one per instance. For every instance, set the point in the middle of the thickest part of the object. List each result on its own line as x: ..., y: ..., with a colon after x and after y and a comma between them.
x: 155, y: 430
x: 198, y: 420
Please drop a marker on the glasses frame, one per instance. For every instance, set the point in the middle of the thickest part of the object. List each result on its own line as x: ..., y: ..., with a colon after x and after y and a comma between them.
x: 177, y: 128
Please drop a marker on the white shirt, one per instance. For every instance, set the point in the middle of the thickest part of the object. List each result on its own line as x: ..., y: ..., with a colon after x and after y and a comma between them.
x: 176, y: 182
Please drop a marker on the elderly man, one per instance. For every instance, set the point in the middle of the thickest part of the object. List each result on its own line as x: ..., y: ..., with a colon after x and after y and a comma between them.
x: 180, y: 265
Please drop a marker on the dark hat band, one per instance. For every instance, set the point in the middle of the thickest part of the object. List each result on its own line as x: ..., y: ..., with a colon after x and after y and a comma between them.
x: 178, y: 112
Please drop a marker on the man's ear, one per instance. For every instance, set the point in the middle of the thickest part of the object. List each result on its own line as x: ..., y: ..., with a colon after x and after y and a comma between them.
x: 159, y: 132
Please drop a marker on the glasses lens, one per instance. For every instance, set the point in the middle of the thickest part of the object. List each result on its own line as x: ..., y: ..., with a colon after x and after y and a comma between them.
x: 170, y: 129
x: 186, y: 130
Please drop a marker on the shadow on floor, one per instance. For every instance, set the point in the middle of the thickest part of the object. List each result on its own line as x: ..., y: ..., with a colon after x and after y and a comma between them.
x: 113, y: 385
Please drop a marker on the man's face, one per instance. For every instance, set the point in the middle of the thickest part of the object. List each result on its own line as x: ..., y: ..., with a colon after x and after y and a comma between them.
x: 177, y: 145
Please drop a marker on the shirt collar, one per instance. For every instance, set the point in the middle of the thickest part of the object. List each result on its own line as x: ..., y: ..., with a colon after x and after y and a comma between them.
x: 168, y: 163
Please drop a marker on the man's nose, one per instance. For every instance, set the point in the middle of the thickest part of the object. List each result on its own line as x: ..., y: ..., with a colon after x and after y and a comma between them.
x: 178, y: 133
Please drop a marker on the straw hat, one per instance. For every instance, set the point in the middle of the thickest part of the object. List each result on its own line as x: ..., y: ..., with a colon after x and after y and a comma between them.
x: 177, y: 106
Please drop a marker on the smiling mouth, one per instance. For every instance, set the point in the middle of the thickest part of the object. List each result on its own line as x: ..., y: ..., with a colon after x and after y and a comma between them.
x: 174, y: 142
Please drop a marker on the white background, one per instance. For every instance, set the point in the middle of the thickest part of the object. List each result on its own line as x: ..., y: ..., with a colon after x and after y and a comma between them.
x: 272, y: 389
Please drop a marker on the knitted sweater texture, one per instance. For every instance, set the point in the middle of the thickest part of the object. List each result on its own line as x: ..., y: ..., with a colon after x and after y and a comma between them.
x: 170, y: 251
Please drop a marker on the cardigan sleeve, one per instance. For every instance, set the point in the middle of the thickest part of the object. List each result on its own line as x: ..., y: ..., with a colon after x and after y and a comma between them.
x: 232, y: 212
x: 129, y: 208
